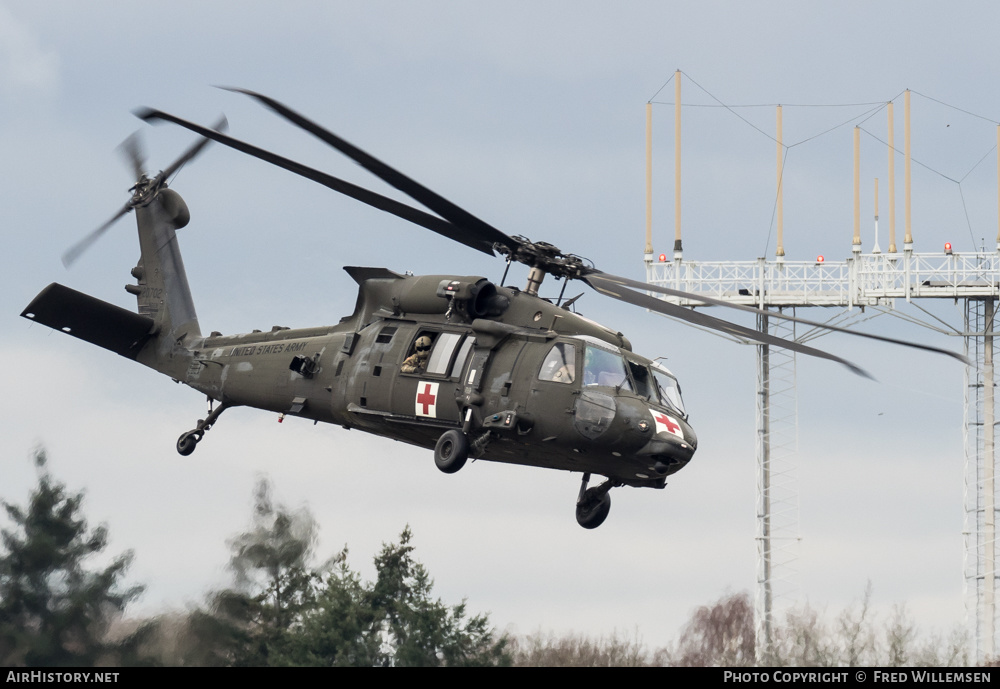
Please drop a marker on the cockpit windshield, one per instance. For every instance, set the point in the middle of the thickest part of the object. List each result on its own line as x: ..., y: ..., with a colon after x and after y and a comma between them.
x: 604, y: 367
x: 669, y: 389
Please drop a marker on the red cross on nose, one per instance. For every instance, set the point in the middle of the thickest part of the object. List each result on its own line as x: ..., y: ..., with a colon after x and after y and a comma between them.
x: 667, y: 421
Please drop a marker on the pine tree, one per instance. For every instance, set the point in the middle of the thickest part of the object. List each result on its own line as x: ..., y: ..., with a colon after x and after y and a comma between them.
x: 54, y: 611
x: 284, y: 611
x: 251, y: 623
x: 393, y: 621
x: 421, y: 630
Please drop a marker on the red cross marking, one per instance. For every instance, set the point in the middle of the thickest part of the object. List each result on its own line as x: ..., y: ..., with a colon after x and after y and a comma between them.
x: 668, y: 422
x: 426, y: 398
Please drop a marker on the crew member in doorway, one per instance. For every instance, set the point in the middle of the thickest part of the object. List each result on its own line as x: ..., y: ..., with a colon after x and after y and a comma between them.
x: 417, y: 362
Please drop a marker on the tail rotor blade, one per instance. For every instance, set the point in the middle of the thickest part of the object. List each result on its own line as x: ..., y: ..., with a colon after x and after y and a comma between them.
x: 220, y: 126
x: 132, y: 150
x: 73, y: 253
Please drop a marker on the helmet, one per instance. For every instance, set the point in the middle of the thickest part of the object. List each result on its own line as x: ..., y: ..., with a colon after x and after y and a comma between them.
x: 423, y: 343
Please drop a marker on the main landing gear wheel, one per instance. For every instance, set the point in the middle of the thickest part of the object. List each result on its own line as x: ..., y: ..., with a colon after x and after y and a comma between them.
x: 593, y: 504
x: 451, y: 451
x: 591, y: 516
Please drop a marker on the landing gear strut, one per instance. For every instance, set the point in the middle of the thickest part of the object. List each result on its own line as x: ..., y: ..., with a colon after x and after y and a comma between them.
x: 189, y: 440
x: 593, y: 504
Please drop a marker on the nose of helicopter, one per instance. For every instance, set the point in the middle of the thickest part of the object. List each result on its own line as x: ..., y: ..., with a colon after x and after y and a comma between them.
x: 660, y: 440
x: 666, y: 455
x: 672, y: 442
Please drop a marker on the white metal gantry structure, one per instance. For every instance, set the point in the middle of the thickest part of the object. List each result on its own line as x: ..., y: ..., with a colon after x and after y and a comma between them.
x: 873, y: 281
x: 865, y: 281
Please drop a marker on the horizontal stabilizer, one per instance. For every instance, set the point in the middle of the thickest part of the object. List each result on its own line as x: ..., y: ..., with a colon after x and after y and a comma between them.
x: 90, y: 319
x: 361, y: 274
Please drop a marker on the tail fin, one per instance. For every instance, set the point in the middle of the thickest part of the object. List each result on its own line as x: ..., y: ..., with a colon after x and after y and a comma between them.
x: 162, y: 290
x: 166, y: 320
x: 166, y: 317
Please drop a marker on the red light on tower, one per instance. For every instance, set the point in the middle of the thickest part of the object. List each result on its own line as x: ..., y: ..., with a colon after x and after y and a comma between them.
x: 947, y: 248
x: 820, y: 259
x: 663, y: 258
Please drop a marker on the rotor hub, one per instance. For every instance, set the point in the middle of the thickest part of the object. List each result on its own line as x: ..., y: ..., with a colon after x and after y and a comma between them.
x: 544, y: 259
x: 145, y: 190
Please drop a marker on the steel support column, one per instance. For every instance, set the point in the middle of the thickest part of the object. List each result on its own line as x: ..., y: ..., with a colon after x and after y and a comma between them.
x: 777, y: 491
x: 980, y: 482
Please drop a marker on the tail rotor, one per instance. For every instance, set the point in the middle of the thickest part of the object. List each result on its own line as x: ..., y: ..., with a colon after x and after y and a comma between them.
x: 145, y: 188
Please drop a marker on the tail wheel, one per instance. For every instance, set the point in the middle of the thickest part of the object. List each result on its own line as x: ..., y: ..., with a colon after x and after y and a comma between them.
x: 187, y: 442
x: 591, y: 513
x: 451, y: 451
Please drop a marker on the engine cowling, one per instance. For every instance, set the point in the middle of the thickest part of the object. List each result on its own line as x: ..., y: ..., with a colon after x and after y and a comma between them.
x: 472, y: 296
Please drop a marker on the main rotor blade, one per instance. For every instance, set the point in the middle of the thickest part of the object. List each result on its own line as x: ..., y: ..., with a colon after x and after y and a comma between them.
x: 609, y: 286
x: 401, y: 210
x: 775, y: 314
x: 74, y: 251
x: 418, y: 192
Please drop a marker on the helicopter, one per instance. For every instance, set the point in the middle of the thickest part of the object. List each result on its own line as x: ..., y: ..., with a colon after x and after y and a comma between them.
x: 454, y: 363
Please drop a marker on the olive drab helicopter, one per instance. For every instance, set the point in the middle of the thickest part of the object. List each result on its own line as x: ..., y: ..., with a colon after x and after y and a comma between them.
x: 453, y: 363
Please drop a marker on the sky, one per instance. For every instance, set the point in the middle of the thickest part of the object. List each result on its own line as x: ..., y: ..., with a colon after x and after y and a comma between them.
x: 531, y: 116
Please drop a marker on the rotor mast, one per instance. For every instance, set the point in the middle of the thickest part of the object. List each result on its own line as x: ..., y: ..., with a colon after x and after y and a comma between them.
x: 535, y: 277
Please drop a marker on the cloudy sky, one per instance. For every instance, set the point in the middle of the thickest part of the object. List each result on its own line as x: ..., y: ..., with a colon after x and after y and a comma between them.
x: 531, y: 116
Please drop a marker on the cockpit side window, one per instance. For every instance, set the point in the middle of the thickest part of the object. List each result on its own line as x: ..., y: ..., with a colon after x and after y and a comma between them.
x: 601, y: 367
x: 560, y: 364
x: 645, y: 386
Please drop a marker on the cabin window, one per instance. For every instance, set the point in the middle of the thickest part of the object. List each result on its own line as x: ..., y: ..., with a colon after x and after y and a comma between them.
x: 603, y: 367
x: 560, y: 364
x: 463, y: 356
x: 444, y: 348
